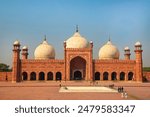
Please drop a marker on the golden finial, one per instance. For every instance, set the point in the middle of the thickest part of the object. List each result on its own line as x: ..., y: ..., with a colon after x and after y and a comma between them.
x: 45, y: 38
x: 77, y: 30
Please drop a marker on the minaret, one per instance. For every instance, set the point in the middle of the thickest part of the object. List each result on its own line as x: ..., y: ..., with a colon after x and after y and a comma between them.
x: 139, y: 63
x: 16, y: 75
x: 25, y: 52
x: 127, y: 53
x: 65, y: 58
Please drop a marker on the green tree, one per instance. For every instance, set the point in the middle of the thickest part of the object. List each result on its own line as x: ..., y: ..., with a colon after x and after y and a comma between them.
x: 4, y: 67
x: 146, y: 69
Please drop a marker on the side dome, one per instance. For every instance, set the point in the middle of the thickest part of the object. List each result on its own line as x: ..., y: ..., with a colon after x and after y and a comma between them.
x: 109, y: 51
x: 44, y: 51
x: 77, y: 41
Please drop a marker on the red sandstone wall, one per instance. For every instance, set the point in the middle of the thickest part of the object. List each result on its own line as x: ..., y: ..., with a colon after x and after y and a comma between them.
x: 117, y: 66
x: 3, y: 76
x: 114, y: 65
x: 43, y: 66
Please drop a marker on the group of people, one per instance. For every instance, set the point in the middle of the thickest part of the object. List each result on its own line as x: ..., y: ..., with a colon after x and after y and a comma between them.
x: 120, y: 89
x: 123, y: 93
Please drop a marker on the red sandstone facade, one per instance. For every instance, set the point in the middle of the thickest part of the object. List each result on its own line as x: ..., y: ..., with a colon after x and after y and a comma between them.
x: 78, y: 64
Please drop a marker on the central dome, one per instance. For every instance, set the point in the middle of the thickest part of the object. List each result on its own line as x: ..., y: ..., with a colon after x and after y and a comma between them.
x: 44, y: 51
x: 109, y: 51
x: 77, y: 41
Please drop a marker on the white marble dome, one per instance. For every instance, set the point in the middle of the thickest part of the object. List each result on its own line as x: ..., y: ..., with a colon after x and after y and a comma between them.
x: 109, y: 51
x: 44, y: 51
x: 77, y: 41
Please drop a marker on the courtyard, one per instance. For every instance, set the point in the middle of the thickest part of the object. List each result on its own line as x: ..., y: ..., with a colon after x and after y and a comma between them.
x: 76, y: 90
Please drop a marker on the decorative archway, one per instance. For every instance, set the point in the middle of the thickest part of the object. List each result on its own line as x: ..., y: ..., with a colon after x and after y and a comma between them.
x: 114, y: 76
x: 24, y: 76
x: 58, y: 76
x: 97, y: 76
x: 50, y: 76
x: 122, y: 76
x: 78, y: 64
x: 130, y: 76
x: 33, y: 76
x: 41, y: 76
x: 105, y: 76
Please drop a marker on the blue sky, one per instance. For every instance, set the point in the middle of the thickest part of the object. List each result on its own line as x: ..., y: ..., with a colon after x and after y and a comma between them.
x: 126, y: 21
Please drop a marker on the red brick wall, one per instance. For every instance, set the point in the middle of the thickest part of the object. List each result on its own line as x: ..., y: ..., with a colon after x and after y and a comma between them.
x: 3, y: 76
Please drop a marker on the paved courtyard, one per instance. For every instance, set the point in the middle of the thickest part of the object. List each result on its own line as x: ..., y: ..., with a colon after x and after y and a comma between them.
x: 51, y: 90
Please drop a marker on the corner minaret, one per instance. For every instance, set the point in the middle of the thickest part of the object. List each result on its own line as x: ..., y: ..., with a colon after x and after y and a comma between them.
x: 16, y: 75
x: 25, y: 52
x: 139, y: 62
x: 127, y: 53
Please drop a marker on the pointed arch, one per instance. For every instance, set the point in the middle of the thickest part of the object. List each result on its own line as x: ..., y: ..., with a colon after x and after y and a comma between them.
x: 114, y: 76
x: 50, y: 76
x: 33, y: 76
x: 97, y: 76
x: 41, y: 76
x: 105, y: 76
x: 130, y: 76
x: 24, y: 76
x: 122, y: 76
x: 78, y: 63
x: 58, y: 76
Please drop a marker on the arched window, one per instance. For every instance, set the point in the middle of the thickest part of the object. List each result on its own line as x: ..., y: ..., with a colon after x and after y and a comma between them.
x: 41, y: 76
x: 114, y: 76
x: 97, y: 76
x: 33, y: 76
x: 105, y: 76
x: 25, y: 76
x: 50, y: 76
x: 58, y: 76
x: 122, y: 76
x: 130, y: 76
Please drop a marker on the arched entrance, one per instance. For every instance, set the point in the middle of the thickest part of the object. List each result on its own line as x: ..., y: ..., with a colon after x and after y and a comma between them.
x: 114, y: 76
x: 50, y: 76
x: 33, y: 76
x: 78, y: 68
x: 58, y: 76
x: 122, y: 76
x: 41, y: 76
x: 77, y: 75
x: 97, y: 76
x: 105, y: 76
x: 130, y: 76
x: 24, y: 76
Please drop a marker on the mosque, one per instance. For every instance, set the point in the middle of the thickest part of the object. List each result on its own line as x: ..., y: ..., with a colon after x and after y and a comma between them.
x: 78, y: 63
